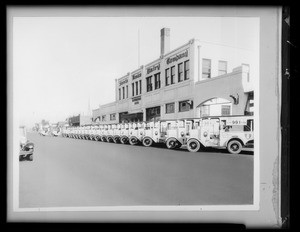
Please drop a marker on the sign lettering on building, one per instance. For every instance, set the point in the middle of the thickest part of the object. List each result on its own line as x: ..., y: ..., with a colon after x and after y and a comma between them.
x: 137, y: 75
x: 123, y: 81
x: 177, y: 57
x: 153, y: 68
x: 136, y: 98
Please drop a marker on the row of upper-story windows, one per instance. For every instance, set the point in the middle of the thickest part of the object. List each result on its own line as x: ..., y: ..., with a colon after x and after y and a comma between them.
x: 206, y: 68
x: 153, y: 82
x: 136, y: 88
x: 183, y: 73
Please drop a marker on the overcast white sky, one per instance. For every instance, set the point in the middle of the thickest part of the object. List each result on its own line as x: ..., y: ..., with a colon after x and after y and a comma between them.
x: 59, y: 63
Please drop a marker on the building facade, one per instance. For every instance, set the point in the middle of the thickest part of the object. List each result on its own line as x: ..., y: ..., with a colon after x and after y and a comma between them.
x: 196, y: 79
x: 80, y: 120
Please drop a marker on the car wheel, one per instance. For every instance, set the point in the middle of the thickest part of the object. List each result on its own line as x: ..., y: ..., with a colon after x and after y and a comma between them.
x: 30, y: 157
x: 234, y: 147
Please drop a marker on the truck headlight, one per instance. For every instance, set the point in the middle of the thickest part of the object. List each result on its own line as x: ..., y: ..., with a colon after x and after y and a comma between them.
x: 156, y: 132
x: 182, y: 134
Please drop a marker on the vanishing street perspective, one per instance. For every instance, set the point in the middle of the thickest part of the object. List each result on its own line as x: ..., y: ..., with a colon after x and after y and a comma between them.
x: 180, y: 131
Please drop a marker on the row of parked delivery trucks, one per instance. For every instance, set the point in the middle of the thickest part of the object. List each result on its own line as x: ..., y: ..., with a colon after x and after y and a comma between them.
x: 233, y: 133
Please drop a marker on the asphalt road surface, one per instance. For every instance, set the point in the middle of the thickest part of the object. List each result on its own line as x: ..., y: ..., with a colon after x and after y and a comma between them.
x: 68, y: 172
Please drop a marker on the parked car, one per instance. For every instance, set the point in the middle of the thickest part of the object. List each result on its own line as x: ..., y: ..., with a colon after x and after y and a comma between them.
x: 26, y: 147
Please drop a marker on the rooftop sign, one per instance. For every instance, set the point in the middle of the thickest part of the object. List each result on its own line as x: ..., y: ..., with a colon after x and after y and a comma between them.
x: 137, y: 75
x: 153, y: 68
x: 121, y: 82
x: 177, y: 57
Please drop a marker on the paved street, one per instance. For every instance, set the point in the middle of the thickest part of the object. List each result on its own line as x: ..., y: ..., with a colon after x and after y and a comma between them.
x: 69, y: 172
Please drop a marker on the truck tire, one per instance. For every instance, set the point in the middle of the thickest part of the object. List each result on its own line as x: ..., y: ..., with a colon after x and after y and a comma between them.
x: 234, y: 146
x: 116, y: 139
x: 124, y: 140
x: 171, y: 143
x: 133, y: 141
x: 147, y: 142
x: 193, y: 145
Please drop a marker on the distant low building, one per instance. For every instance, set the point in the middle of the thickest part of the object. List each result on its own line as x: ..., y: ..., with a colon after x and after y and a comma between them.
x: 80, y: 120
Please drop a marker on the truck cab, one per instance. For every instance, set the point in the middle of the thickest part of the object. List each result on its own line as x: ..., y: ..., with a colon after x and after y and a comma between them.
x: 124, y: 133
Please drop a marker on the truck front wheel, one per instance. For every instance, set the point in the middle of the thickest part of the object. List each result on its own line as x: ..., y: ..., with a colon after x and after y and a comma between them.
x: 193, y: 145
x: 234, y: 147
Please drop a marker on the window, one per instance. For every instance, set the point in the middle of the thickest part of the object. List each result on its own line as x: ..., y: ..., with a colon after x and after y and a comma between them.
x: 170, y: 108
x: 126, y: 91
x: 157, y: 80
x: 225, y: 110
x: 204, y: 110
x: 119, y: 94
x: 167, y: 72
x: 136, y: 87
x: 186, y: 70
x: 140, y: 86
x: 206, y: 68
x: 123, y: 88
x: 222, y: 67
x: 172, y: 74
x: 112, y: 117
x: 132, y: 87
x: 149, y: 83
x: 180, y: 72
x: 185, y: 105
x: 103, y: 118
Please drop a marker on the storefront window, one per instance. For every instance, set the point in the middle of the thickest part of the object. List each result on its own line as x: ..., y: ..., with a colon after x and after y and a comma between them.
x: 170, y: 108
x: 222, y: 67
x: 112, y: 117
x: 225, y: 110
x: 172, y: 74
x: 185, y: 105
x: 180, y: 72
x: 149, y: 83
x: 204, y: 111
x: 167, y: 76
x: 157, y: 80
x: 187, y: 70
x: 206, y: 68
